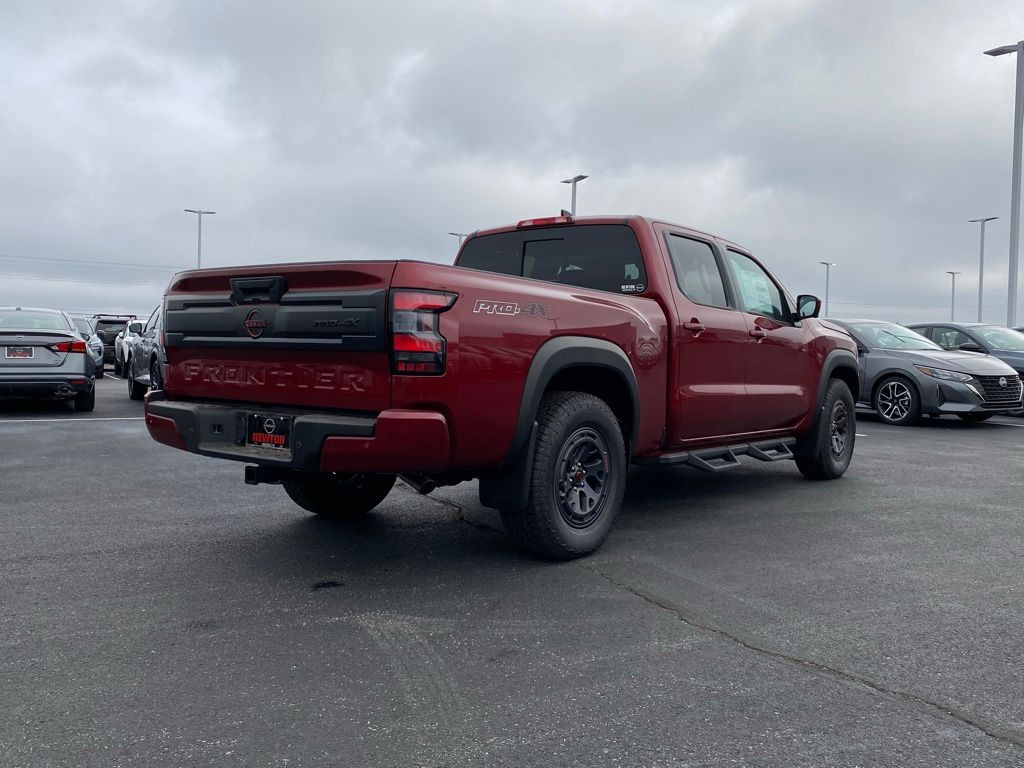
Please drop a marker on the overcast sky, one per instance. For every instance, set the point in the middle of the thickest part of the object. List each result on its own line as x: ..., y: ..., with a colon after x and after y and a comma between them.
x: 864, y: 133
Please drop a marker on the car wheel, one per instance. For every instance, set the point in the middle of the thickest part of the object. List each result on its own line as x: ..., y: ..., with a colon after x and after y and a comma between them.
x: 339, y: 496
x: 117, y: 367
x: 136, y: 391
x: 86, y: 401
x: 975, y: 416
x: 578, y: 478
x: 155, y: 375
x: 825, y: 453
x: 896, y: 401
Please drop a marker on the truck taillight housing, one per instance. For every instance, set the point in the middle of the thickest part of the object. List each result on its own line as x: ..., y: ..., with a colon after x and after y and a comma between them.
x: 417, y: 346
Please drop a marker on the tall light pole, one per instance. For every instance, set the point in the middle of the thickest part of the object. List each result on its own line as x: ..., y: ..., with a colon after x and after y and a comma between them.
x: 199, y: 212
x: 461, y: 235
x: 574, y: 181
x: 828, y: 268
x: 981, y: 260
x: 952, y: 303
x: 1018, y: 137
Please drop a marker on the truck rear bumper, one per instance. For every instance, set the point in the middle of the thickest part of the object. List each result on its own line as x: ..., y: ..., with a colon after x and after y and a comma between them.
x: 392, y: 441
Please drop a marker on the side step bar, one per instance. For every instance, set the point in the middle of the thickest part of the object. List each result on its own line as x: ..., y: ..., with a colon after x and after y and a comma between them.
x: 724, y: 457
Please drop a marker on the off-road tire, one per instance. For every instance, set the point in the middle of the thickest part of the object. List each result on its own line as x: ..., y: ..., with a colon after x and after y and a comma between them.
x: 339, y: 496
x: 543, y: 526
x: 910, y: 403
x: 975, y: 417
x: 85, y: 401
x: 817, y: 455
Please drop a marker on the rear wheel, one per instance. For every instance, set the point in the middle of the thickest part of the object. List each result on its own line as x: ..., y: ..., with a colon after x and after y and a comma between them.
x: 825, y: 453
x: 975, y: 416
x: 339, y: 496
x: 578, y: 478
x: 136, y: 391
x: 86, y: 401
x: 896, y: 401
x: 155, y: 375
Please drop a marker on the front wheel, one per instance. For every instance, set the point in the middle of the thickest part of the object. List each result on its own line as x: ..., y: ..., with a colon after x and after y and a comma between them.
x: 337, y: 495
x: 156, y: 377
x: 975, y: 416
x: 825, y: 453
x: 897, y: 402
x: 578, y: 478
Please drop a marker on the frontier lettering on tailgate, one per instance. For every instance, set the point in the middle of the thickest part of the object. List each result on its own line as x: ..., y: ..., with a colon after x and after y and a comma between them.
x: 327, y: 377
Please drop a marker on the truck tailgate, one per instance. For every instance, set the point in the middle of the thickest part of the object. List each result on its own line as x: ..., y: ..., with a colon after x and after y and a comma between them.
x: 304, y: 335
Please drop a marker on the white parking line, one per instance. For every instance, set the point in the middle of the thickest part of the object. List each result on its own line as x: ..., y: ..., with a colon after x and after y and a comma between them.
x: 111, y: 376
x: 84, y: 418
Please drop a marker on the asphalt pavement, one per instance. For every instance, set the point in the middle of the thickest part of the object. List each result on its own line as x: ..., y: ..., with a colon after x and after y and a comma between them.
x: 156, y: 611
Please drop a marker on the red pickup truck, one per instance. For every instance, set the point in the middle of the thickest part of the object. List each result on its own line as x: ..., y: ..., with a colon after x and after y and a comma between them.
x: 550, y: 356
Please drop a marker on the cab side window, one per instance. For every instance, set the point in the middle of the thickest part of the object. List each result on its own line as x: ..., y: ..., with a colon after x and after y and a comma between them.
x: 697, y: 271
x: 759, y: 295
x: 152, y: 322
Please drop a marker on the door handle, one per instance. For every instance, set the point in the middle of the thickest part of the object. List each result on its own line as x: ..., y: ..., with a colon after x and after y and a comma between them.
x: 694, y: 325
x: 757, y: 333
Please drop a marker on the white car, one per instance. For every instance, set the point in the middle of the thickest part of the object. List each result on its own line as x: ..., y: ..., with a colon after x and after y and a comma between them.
x: 87, y: 331
x: 122, y: 344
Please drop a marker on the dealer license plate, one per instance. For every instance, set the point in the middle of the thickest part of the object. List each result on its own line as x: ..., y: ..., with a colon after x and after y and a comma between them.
x: 269, y: 431
x: 20, y: 353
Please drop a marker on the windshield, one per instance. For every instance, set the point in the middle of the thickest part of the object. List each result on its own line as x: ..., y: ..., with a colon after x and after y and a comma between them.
x: 891, y: 336
x: 1001, y: 338
x: 28, y: 320
x: 111, y: 325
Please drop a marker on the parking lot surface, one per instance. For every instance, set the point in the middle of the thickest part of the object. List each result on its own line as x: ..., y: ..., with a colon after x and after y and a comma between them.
x: 158, y: 612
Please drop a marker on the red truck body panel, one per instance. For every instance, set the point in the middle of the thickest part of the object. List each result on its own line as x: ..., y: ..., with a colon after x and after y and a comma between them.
x: 704, y: 375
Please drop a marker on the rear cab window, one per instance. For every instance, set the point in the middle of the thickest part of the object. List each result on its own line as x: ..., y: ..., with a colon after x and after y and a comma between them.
x: 698, y: 273
x: 604, y: 257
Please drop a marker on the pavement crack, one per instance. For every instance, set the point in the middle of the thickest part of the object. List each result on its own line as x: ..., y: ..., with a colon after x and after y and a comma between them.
x: 459, y: 510
x: 993, y: 730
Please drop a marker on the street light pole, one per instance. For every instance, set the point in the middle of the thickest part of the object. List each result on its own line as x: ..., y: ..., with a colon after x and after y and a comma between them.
x: 574, y: 181
x: 828, y: 268
x: 981, y: 260
x: 952, y: 303
x: 1018, y: 138
x: 199, y: 212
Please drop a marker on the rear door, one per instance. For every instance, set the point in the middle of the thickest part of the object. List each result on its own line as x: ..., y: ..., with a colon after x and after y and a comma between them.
x: 303, y: 335
x: 708, y: 391
x: 781, y: 370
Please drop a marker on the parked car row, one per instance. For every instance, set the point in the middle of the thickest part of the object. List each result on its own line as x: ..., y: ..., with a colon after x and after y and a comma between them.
x: 969, y: 370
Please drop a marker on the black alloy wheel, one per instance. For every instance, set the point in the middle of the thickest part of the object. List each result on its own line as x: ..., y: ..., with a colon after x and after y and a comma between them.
x: 583, y: 468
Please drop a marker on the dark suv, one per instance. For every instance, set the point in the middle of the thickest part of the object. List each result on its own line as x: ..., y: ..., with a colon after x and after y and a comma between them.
x: 107, y: 328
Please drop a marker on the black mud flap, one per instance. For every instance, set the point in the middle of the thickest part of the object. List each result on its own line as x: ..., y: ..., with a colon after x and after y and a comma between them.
x: 508, y: 487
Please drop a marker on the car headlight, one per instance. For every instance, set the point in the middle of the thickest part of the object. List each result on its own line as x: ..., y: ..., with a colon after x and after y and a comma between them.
x: 939, y: 373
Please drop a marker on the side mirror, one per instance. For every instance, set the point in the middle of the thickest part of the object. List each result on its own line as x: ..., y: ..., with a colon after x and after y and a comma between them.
x: 970, y: 346
x: 807, y: 306
x: 135, y: 328
x: 102, y: 335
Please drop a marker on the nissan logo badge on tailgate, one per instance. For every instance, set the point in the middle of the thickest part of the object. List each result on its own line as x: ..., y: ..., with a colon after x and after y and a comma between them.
x: 255, y: 324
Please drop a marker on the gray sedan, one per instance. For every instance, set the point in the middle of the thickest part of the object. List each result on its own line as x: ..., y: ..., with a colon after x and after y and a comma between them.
x: 43, y: 356
x: 904, y: 375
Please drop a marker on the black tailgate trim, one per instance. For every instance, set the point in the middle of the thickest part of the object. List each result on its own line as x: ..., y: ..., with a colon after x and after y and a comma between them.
x: 320, y: 320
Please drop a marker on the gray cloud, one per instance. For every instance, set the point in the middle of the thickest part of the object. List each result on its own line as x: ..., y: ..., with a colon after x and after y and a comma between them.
x: 862, y: 133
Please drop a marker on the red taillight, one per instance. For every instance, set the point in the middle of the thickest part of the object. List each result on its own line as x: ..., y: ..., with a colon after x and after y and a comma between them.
x: 417, y: 345
x: 75, y: 345
x: 544, y: 222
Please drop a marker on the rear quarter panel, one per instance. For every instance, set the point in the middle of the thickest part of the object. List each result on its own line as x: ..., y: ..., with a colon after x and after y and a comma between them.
x: 494, y: 331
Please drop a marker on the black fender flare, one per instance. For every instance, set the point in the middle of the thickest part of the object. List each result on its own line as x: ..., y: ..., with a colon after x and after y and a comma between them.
x: 834, y: 360
x: 508, y: 486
